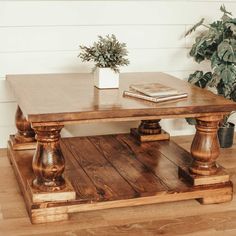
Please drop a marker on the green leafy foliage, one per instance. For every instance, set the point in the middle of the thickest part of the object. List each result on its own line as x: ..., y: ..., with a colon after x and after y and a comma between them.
x: 195, y: 27
x: 200, y: 79
x: 217, y: 44
x: 106, y: 52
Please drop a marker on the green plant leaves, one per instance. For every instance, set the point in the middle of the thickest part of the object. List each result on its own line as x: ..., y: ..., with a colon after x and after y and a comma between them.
x: 194, y: 27
x: 200, y: 79
x: 217, y: 44
x: 204, y: 46
x: 223, y: 9
x: 227, y: 72
x: 231, y: 26
x: 225, y: 51
x: 106, y: 52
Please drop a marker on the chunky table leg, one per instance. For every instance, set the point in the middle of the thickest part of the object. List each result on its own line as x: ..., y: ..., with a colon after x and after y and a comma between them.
x: 48, y: 166
x: 204, y: 170
x: 149, y: 127
x: 48, y: 161
x: 149, y: 130
x: 205, y: 150
x: 25, y: 136
x: 205, y: 146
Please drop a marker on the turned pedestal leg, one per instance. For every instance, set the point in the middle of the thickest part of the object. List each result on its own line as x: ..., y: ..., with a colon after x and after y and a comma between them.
x: 204, y: 170
x: 48, y: 166
x: 48, y: 161
x: 149, y: 130
x: 25, y: 136
x: 205, y: 150
x: 205, y: 147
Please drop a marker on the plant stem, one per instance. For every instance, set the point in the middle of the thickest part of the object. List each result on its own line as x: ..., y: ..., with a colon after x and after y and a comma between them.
x: 209, y: 27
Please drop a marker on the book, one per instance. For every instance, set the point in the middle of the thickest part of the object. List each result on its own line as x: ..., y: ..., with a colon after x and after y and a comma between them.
x: 154, y: 89
x: 155, y: 99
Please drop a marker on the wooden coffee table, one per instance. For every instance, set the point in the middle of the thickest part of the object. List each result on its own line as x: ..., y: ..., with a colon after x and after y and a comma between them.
x: 63, y: 176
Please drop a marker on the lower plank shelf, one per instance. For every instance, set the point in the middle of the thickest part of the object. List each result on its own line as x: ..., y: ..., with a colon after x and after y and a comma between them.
x: 116, y: 171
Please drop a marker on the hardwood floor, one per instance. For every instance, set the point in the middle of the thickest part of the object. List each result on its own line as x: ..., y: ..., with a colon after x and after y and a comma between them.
x: 178, y: 218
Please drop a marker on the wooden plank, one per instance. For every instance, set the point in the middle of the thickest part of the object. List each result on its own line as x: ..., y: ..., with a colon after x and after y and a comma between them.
x: 5, y: 131
x: 135, y: 173
x: 217, y: 191
x: 173, y: 152
x: 20, y: 163
x: 84, y: 187
x: 72, y: 36
x: 109, y: 184
x: 61, y: 61
x: 82, y: 97
x: 8, y: 110
x: 183, y: 160
x: 209, y: 224
x: 39, y: 13
x: 114, y: 189
x: 185, y: 217
x: 22, y: 146
x: 66, y: 194
x: 155, y: 162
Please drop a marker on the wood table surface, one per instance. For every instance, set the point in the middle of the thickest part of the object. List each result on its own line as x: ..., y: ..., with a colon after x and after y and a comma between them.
x: 124, y: 170
x: 72, y: 97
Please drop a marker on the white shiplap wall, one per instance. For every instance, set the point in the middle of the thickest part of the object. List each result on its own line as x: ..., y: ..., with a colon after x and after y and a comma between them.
x: 44, y: 37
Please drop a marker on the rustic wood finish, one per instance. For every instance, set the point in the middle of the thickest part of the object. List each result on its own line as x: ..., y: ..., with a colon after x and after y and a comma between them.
x: 75, y: 99
x: 48, y: 161
x: 116, y: 171
x: 25, y: 136
x: 149, y: 130
x: 172, y: 219
x: 149, y: 127
x: 205, y: 147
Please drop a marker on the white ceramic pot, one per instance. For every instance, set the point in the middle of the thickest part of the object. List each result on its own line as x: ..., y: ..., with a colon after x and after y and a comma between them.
x: 105, y: 78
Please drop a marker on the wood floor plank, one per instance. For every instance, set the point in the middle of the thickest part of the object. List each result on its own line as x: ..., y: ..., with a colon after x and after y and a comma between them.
x: 156, y: 162
x: 216, y: 223
x: 110, y: 185
x: 124, y: 160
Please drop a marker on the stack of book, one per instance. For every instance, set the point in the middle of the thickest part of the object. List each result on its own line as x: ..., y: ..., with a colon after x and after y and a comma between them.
x: 154, y: 92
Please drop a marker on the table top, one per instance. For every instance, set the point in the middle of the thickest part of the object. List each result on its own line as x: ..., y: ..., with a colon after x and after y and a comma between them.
x: 72, y: 97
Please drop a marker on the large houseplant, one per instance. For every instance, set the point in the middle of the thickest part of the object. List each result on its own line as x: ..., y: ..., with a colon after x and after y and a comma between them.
x: 108, y: 54
x: 217, y: 44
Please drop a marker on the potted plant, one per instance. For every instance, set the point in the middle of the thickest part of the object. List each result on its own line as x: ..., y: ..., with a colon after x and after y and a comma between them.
x: 217, y: 44
x: 108, y: 54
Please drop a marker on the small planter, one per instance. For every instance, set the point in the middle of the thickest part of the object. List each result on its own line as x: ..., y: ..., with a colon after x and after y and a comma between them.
x: 226, y: 136
x: 105, y: 78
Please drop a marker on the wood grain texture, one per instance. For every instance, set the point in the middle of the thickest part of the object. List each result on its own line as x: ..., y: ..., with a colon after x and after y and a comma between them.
x: 183, y: 217
x: 83, y: 105
x: 126, y: 164
x: 183, y: 160
x: 48, y: 161
x: 163, y: 135
x: 25, y: 135
x: 21, y: 146
x: 109, y: 184
x: 205, y: 147
x: 113, y: 171
x: 149, y: 130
